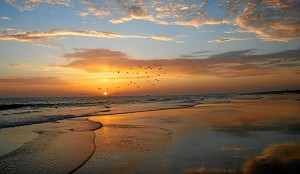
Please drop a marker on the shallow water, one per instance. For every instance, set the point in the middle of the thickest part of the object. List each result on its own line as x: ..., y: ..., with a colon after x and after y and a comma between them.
x: 27, y: 111
x: 211, y: 137
x: 215, y: 136
x: 60, y: 148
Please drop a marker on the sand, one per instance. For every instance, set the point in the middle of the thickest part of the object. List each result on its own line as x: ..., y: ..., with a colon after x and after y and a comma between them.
x: 207, y: 138
x: 218, y: 137
x: 61, y: 147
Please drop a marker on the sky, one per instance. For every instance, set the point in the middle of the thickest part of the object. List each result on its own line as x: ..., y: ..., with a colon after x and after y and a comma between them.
x: 147, y: 47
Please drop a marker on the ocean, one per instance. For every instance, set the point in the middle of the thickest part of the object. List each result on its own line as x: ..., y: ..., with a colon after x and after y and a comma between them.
x: 16, y: 112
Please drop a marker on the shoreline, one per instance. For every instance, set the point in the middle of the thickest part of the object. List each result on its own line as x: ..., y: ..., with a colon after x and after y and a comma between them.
x: 55, y: 146
x: 138, y: 140
x: 66, y: 117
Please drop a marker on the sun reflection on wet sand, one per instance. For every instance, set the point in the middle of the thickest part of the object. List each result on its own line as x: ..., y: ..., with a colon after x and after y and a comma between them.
x: 207, y: 138
x: 224, y: 138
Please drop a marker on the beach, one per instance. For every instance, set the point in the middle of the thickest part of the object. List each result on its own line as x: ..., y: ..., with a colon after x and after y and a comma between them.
x: 214, y: 137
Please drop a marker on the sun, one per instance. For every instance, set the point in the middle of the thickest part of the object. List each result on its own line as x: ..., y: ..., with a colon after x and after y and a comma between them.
x: 105, y: 93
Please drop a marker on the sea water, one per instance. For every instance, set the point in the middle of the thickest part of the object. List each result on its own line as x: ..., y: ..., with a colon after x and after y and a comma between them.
x: 16, y: 112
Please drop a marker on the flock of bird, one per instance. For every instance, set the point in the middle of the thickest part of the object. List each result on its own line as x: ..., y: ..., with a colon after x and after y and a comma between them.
x: 140, y: 76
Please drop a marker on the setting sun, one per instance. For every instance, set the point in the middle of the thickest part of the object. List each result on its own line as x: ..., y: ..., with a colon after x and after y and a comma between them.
x: 105, y: 93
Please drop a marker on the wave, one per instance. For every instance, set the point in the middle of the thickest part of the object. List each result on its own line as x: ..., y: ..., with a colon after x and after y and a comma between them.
x: 16, y: 112
x: 12, y: 106
x: 42, y: 105
x: 34, y: 120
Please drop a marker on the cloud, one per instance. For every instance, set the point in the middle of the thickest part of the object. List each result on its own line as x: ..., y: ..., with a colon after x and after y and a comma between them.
x: 228, y: 64
x: 198, y: 22
x: 4, y: 17
x: 271, y: 20
x: 277, y: 158
x: 138, y: 12
x: 161, y: 37
x: 239, y: 30
x: 228, y: 39
x: 98, y: 11
x: 82, y: 13
x: 31, y: 4
x: 15, y: 65
x: 95, y: 54
x: 42, y: 38
x: 35, y: 36
x: 180, y: 41
x: 159, y: 12
x: 32, y: 81
x: 10, y: 29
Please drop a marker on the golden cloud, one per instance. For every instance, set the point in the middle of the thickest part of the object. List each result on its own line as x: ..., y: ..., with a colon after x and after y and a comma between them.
x: 59, y: 34
x: 15, y: 65
x: 53, y: 81
x: 161, y: 37
x: 40, y: 37
x: 229, y: 64
x: 95, y: 54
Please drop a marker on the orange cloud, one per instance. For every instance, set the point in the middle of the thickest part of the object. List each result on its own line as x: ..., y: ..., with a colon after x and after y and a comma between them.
x: 15, y: 65
x: 229, y: 64
x: 52, y: 81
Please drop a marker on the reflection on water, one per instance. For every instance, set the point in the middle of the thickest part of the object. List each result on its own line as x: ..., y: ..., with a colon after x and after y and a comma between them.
x: 219, y: 138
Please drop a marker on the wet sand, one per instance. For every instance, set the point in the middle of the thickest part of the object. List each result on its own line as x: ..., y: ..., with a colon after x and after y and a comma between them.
x: 60, y: 147
x: 207, y: 138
